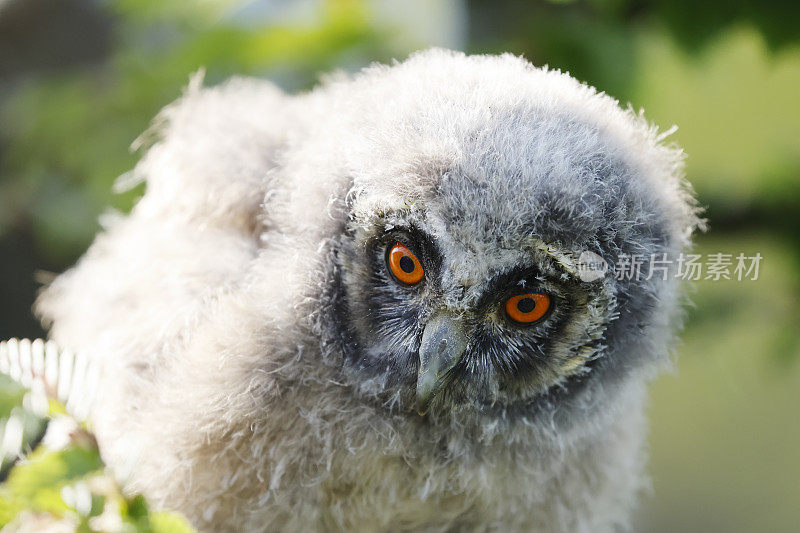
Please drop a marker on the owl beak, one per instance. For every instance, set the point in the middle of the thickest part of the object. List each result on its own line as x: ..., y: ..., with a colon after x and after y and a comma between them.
x: 443, y: 344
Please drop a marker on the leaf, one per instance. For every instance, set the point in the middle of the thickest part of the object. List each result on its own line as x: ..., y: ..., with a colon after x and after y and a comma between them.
x: 166, y: 522
x: 67, y: 488
x: 46, y: 469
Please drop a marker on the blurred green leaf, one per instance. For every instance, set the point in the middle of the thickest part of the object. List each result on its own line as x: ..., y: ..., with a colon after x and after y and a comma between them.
x: 50, y: 470
x: 20, y: 428
x: 165, y: 522
x: 11, y: 394
x: 65, y: 488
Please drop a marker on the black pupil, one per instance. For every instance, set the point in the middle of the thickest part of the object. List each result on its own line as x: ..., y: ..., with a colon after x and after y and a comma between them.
x: 526, y: 305
x: 407, y: 264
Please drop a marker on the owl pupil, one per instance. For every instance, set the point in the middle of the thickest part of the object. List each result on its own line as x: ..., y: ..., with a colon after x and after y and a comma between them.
x: 406, y: 264
x: 526, y: 305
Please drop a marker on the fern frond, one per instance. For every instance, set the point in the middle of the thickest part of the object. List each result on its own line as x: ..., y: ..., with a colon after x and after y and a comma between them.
x: 51, y: 373
x: 37, y: 381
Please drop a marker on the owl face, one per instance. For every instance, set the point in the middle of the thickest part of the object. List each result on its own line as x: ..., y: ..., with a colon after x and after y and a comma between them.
x: 440, y: 322
x: 462, y: 205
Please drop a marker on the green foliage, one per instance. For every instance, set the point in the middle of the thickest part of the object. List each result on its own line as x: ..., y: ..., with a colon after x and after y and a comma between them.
x: 19, y: 425
x: 69, y: 486
x: 59, y: 481
x: 11, y: 394
x: 694, y: 24
x: 36, y: 484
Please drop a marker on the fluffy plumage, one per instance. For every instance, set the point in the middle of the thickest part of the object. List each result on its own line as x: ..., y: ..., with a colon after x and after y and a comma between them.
x: 259, y: 363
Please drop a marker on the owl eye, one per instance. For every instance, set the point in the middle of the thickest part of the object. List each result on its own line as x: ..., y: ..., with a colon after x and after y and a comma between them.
x: 404, y: 265
x: 527, y: 308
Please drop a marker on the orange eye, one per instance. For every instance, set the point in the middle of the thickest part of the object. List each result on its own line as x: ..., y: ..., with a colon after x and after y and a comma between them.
x: 528, y: 308
x: 404, y: 265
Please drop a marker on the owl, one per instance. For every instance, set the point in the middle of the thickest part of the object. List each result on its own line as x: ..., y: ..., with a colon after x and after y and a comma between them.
x: 361, y: 308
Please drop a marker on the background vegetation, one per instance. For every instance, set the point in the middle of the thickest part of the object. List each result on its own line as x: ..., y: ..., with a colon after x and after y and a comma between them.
x: 80, y: 79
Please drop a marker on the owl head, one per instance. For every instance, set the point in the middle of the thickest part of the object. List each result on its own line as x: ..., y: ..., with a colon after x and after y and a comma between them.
x: 468, y: 188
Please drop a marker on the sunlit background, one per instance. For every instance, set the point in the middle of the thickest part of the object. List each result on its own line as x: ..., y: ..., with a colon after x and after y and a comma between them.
x: 80, y: 79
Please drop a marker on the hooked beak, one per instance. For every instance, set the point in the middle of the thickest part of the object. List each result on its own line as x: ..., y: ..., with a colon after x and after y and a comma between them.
x: 443, y: 344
